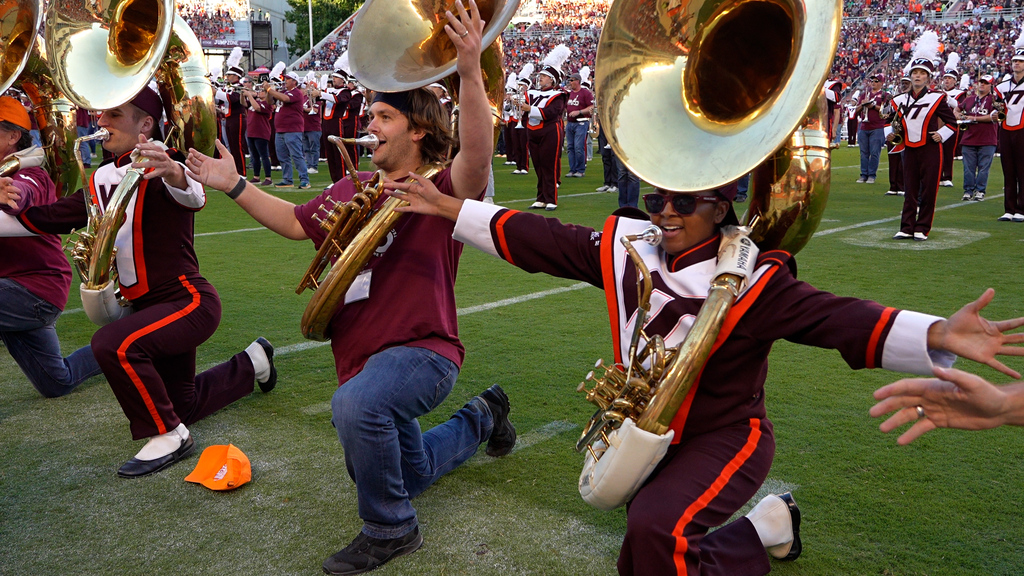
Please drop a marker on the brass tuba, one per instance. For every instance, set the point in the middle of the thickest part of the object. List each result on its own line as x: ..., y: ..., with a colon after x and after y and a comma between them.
x: 692, y: 96
x: 393, y: 47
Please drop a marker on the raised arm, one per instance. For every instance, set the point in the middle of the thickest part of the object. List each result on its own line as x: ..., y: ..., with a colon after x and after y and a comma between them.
x: 472, y: 165
x: 273, y: 212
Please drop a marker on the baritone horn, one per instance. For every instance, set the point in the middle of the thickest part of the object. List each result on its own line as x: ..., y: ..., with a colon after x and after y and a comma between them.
x: 741, y: 82
x: 393, y: 47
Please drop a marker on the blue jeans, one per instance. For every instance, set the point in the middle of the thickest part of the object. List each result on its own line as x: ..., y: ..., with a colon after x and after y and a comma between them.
x: 575, y: 139
x: 85, y: 147
x: 977, y: 161
x: 871, y: 142
x: 259, y: 151
x: 289, y: 149
x: 629, y: 185
x: 386, y: 454
x: 26, y: 328
x: 311, y: 148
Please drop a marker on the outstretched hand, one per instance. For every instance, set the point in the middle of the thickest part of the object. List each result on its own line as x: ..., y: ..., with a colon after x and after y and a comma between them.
x: 217, y: 173
x: 424, y: 198
x: 967, y: 334
x: 957, y: 400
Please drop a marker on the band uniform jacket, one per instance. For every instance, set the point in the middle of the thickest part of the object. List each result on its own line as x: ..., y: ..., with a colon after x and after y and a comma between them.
x: 547, y: 110
x: 920, y: 115
x: 774, y: 306
x: 1013, y: 95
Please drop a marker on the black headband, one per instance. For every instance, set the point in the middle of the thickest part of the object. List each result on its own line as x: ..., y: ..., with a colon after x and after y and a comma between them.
x: 397, y: 100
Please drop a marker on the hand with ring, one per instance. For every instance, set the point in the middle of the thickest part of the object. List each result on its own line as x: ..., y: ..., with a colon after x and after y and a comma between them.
x: 956, y: 400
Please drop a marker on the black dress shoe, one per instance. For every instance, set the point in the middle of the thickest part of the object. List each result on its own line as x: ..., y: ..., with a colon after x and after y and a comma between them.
x: 269, y: 349
x: 503, y: 433
x: 794, y: 513
x: 136, y: 468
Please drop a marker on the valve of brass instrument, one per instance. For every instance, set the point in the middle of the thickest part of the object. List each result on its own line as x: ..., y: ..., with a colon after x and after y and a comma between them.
x: 332, y: 214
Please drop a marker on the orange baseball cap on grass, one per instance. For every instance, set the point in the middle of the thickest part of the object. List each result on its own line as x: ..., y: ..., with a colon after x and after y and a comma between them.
x: 221, y: 468
x: 12, y: 111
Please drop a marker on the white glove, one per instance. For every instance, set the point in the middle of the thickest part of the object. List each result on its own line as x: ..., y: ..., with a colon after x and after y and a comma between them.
x: 624, y: 466
x: 103, y: 306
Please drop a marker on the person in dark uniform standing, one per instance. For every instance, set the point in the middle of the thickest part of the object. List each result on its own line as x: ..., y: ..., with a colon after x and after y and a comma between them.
x: 149, y: 356
x: 235, y: 112
x: 894, y: 148
x: 333, y: 102
x: 926, y: 121
x: 722, y: 443
x: 979, y: 139
x: 1011, y: 137
x: 520, y: 134
x: 955, y: 96
x: 545, y: 123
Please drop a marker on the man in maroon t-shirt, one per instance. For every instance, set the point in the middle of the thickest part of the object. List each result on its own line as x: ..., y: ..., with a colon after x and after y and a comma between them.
x: 578, y: 107
x: 979, y: 140
x: 395, y: 336
x: 34, y: 284
x: 289, y: 124
x: 871, y: 133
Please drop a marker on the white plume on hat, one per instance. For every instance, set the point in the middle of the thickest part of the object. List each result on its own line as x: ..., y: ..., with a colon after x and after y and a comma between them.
x: 342, y: 63
x: 310, y: 79
x: 856, y: 95
x: 526, y: 72
x: 277, y: 70
x: 952, y: 62
x: 324, y: 82
x: 215, y: 70
x: 965, y: 81
x: 558, y: 55
x: 510, y: 81
x: 235, y: 58
x: 584, y: 74
x: 927, y: 46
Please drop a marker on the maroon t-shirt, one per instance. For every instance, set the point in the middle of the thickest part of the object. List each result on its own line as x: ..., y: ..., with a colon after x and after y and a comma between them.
x: 874, y: 121
x: 578, y: 101
x: 411, y: 299
x: 982, y: 133
x: 289, y: 117
x: 36, y: 262
x: 312, y: 121
x: 257, y: 121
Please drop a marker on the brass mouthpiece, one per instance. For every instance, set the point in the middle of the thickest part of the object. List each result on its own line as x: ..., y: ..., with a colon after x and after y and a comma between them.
x: 652, y: 235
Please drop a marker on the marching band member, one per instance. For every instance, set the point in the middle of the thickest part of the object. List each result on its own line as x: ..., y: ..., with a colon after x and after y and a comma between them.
x: 954, y: 97
x: 34, y: 285
x: 333, y: 104
x: 870, y: 132
x: 723, y: 444
x: 351, y: 120
x: 235, y: 111
x: 545, y: 124
x: 289, y: 124
x: 520, y: 134
x: 312, y: 128
x: 979, y: 139
x: 509, y: 116
x: 149, y: 356
x: 395, y: 340
x: 851, y: 118
x: 926, y: 121
x: 833, y: 94
x: 258, y: 133
x: 1011, y: 137
x: 579, y: 105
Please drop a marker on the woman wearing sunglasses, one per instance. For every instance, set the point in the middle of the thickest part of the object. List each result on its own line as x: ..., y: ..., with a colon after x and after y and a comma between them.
x: 723, y: 444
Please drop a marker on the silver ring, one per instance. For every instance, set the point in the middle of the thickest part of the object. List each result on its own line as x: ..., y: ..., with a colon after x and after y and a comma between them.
x: 464, y: 34
x: 920, y: 411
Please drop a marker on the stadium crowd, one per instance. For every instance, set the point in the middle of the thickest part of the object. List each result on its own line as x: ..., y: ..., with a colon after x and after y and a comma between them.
x: 213, y: 19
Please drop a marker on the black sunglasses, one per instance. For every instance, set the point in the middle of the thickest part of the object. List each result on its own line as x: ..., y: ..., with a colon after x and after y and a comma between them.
x: 682, y: 203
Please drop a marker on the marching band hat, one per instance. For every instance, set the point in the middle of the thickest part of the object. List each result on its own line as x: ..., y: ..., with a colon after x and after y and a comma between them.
x: 221, y: 468
x: 12, y: 111
x: 339, y: 74
x: 552, y: 63
x: 952, y: 73
x: 1018, y: 54
x: 149, y: 102
x: 237, y: 71
x: 923, y: 64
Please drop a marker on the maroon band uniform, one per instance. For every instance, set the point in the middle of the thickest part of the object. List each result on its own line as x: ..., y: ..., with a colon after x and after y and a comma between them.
x: 545, y: 125
x: 723, y: 444
x: 149, y: 357
x: 920, y: 114
x: 955, y: 98
x: 234, y: 128
x: 1011, y: 145
x: 333, y: 104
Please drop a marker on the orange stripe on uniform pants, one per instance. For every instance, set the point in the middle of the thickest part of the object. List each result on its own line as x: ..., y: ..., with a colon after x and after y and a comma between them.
x: 122, y: 351
x: 712, y: 491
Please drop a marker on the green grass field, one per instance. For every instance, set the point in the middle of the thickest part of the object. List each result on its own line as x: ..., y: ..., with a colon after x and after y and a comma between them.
x: 949, y: 504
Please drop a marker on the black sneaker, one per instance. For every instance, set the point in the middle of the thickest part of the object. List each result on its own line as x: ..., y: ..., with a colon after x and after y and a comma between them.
x: 268, y: 348
x: 503, y: 433
x: 366, y: 553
